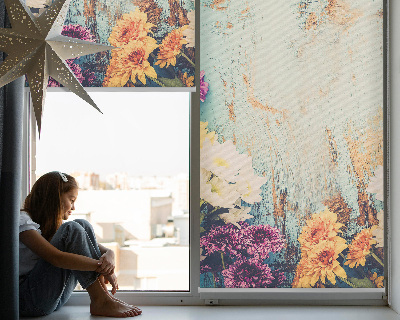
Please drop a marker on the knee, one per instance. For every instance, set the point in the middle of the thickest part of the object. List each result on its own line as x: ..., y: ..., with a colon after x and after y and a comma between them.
x: 85, y: 225
x: 72, y: 226
x: 68, y: 231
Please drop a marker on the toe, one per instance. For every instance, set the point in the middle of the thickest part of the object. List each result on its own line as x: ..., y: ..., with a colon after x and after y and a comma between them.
x: 128, y: 314
x: 138, y: 310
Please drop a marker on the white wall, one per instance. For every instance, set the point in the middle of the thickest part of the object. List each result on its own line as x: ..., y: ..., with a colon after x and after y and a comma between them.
x: 394, y: 224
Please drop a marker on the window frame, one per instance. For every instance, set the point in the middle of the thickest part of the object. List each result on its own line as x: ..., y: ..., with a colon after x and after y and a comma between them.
x: 155, y: 297
x: 201, y: 296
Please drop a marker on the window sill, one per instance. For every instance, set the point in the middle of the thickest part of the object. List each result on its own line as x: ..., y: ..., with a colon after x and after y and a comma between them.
x: 246, y: 297
x: 240, y: 312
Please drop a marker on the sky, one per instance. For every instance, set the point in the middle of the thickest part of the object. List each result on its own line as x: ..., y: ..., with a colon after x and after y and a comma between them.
x: 140, y: 133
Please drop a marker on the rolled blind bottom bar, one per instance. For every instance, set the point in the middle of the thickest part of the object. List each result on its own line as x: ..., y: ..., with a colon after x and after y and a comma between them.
x: 293, y: 293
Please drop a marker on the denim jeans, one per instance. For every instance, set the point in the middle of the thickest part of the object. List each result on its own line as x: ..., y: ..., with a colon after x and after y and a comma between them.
x: 46, y: 288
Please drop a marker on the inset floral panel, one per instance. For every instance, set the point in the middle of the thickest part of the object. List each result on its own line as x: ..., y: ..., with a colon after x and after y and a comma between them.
x: 154, y: 42
x: 291, y: 144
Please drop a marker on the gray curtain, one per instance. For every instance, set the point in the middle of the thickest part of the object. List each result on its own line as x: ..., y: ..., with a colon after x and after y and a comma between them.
x: 11, y: 111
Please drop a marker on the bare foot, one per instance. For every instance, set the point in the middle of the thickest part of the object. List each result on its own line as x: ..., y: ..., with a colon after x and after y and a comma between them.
x: 101, y: 279
x: 125, y: 303
x: 109, y: 307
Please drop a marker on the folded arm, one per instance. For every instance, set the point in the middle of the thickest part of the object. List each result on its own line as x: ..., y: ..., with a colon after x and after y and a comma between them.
x: 65, y: 260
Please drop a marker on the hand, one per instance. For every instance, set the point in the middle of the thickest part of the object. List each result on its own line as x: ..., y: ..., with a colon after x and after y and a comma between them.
x: 107, y: 263
x: 112, y: 279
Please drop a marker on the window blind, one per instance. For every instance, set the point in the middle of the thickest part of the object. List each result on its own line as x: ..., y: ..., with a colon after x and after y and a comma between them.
x: 154, y: 42
x: 292, y: 162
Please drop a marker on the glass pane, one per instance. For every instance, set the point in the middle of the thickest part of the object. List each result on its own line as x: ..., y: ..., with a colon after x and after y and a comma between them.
x: 132, y: 166
x: 292, y: 144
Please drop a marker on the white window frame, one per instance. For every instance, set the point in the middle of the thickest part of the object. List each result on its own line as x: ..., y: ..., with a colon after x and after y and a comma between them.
x: 148, y: 297
x: 209, y: 296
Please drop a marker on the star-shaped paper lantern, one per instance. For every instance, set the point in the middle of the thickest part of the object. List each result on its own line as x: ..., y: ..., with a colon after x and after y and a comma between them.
x: 35, y: 47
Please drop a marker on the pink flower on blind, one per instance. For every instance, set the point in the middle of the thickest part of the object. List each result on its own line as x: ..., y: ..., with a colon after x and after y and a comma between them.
x: 222, y: 238
x: 260, y: 240
x: 203, y: 86
x: 78, y: 32
x: 248, y: 273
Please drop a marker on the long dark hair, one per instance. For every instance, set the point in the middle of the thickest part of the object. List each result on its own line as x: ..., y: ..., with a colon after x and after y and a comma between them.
x: 43, y: 203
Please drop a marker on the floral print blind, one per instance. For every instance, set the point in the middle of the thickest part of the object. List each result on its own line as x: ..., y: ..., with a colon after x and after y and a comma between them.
x: 291, y: 144
x: 155, y: 41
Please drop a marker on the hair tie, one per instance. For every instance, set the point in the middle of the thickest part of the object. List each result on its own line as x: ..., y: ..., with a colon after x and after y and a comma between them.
x: 63, y: 177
